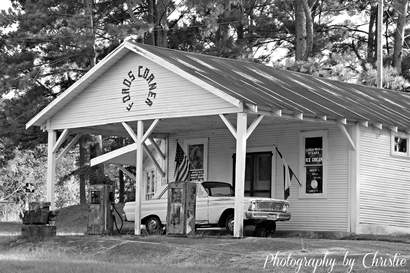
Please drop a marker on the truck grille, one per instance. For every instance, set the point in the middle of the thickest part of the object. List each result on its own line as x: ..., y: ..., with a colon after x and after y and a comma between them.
x: 268, y: 206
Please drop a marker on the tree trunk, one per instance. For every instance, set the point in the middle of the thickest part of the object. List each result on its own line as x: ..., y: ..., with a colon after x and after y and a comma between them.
x: 82, y: 161
x: 96, y: 172
x: 401, y: 9
x: 309, y: 29
x: 300, y: 25
x: 222, y: 34
x: 160, y: 20
x: 371, y: 38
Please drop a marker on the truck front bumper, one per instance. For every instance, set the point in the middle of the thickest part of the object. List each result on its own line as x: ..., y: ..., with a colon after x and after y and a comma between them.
x: 267, y: 216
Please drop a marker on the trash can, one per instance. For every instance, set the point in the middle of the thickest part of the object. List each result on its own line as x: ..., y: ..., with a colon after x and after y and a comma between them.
x: 181, y: 208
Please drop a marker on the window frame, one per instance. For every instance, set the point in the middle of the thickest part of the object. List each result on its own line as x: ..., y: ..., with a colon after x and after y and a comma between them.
x: 302, y: 167
x: 392, y: 142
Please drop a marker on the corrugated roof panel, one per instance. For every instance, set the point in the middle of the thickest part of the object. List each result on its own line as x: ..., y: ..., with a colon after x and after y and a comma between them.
x: 292, y: 91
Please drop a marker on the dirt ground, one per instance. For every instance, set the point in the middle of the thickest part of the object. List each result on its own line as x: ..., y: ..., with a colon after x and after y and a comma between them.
x: 129, y: 253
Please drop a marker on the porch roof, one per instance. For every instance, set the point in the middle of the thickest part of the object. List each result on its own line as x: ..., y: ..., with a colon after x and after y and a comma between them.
x: 262, y: 89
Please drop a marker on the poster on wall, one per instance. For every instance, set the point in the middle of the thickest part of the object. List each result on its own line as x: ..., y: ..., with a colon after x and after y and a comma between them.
x: 196, y: 157
x: 313, y: 151
x: 314, y: 181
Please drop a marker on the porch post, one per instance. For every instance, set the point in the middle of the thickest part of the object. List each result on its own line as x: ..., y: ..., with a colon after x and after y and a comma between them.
x: 51, y: 167
x: 241, y: 135
x: 139, y: 177
x: 354, y: 157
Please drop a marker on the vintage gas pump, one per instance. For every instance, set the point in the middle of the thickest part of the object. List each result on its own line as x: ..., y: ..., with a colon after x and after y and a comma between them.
x: 100, y: 216
x: 181, y: 208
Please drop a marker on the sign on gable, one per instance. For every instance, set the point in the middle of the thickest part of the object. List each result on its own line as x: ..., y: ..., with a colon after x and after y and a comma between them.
x: 142, y: 73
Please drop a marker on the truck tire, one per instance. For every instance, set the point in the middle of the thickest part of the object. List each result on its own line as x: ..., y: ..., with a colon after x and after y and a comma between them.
x: 229, y: 223
x: 265, y: 229
x: 153, y: 225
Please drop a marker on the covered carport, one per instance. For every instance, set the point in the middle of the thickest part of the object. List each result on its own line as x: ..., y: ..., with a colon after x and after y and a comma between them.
x: 140, y: 91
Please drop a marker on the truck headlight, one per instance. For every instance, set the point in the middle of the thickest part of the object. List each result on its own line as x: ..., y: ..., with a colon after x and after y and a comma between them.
x: 252, y: 206
x: 285, y: 208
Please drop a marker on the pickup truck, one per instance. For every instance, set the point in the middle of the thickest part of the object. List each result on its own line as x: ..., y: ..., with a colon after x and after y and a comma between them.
x: 214, y: 207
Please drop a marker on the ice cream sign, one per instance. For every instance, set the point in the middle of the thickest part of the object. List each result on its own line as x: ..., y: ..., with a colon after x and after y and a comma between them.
x: 142, y: 73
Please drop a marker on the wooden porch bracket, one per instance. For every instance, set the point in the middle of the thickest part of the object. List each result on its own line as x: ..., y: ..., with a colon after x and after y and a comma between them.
x: 60, y: 140
x: 69, y: 146
x: 150, y: 129
x: 113, y: 154
x: 157, y: 148
x: 253, y: 126
x: 145, y: 137
x: 249, y: 130
x: 229, y: 125
x: 150, y: 155
x: 130, y: 131
x: 127, y: 172
x: 347, y: 135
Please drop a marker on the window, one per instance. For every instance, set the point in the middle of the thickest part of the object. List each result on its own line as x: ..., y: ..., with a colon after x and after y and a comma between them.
x: 150, y: 183
x: 400, y: 144
x: 313, y: 159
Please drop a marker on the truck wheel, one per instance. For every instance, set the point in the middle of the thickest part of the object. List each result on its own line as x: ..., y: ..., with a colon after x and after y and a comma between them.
x: 153, y: 225
x: 229, y: 222
x: 270, y: 229
x: 265, y: 229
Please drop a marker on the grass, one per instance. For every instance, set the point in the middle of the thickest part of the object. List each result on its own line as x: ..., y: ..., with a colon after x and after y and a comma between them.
x: 175, y: 254
x: 207, y: 252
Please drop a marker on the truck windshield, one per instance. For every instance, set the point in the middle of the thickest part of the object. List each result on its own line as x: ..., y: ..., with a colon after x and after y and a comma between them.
x: 218, y: 189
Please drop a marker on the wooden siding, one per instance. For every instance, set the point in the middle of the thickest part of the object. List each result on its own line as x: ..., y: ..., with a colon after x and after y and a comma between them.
x: 384, y: 183
x: 323, y: 214
x: 102, y: 101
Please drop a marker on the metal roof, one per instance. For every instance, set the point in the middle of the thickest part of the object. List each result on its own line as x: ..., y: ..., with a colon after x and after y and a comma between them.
x: 261, y: 88
x: 293, y: 92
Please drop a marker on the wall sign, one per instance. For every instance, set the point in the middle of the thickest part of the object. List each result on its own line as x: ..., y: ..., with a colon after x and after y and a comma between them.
x: 314, y: 164
x: 197, y: 152
x: 141, y: 73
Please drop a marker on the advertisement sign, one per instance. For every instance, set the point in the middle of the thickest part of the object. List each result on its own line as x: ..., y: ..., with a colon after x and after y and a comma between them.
x: 313, y: 151
x: 314, y: 181
x: 196, y: 157
x: 314, y: 164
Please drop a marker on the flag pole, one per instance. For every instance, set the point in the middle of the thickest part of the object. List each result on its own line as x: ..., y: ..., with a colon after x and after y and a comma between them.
x: 379, y: 78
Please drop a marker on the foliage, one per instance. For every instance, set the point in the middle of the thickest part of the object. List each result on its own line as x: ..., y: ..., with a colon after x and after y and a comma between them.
x: 30, y: 166
x: 49, y: 44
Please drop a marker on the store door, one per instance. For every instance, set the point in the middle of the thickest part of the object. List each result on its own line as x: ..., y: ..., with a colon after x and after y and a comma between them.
x: 258, y: 174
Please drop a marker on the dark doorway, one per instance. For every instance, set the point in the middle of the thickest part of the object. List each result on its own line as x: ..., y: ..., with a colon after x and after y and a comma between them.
x: 258, y: 174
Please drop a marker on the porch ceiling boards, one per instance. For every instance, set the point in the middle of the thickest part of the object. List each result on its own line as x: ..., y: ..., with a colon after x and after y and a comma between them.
x: 295, y: 93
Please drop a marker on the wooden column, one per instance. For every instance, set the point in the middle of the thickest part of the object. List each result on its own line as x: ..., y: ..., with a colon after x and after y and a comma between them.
x: 354, y: 185
x: 139, y: 177
x: 241, y: 135
x: 51, y: 167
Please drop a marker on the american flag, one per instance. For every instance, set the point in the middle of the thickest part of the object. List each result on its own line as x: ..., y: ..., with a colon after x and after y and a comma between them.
x: 288, y: 174
x: 182, y: 165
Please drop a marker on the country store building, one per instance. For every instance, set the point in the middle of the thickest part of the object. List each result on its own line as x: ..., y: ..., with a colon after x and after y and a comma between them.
x: 348, y: 144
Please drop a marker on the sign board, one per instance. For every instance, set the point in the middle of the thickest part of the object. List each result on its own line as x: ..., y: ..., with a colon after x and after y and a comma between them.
x: 30, y: 187
x: 314, y: 164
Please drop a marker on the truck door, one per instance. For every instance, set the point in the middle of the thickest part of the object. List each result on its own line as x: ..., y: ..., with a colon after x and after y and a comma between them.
x: 202, y: 203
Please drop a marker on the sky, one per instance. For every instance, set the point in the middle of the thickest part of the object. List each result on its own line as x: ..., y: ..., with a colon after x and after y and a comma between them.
x: 4, y: 4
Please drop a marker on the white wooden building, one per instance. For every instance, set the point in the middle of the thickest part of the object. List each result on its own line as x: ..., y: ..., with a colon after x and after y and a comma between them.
x: 348, y: 144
